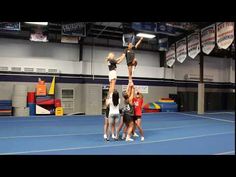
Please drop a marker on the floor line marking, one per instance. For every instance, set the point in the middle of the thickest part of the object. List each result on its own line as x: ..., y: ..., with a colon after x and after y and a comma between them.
x: 232, y: 113
x: 95, y: 133
x: 207, y: 117
x: 224, y: 153
x: 116, y: 145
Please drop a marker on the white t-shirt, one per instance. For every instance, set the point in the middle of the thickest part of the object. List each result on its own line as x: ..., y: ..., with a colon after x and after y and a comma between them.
x: 113, y: 109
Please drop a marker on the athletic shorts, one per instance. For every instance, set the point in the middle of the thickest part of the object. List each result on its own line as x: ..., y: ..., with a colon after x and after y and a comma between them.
x: 129, y: 62
x: 137, y: 117
x: 127, y: 118
x: 107, y: 113
x: 112, y: 75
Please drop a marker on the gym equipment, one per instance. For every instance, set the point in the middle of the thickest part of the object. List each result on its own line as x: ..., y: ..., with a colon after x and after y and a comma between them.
x: 59, y: 111
x: 52, y: 87
x: 5, y: 107
x: 151, y: 107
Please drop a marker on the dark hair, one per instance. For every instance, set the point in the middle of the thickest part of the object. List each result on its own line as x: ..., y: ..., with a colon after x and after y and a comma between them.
x: 125, y: 96
x: 115, y: 98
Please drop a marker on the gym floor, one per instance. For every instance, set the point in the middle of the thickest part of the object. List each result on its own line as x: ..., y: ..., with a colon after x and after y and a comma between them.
x: 165, y: 134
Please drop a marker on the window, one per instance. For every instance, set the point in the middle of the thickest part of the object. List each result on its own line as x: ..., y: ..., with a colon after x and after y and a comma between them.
x: 67, y: 93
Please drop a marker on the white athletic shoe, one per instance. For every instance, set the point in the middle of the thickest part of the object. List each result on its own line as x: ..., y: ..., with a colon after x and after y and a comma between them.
x: 123, y: 136
x: 135, y: 134
x: 113, y: 136
x: 129, y: 139
x: 142, y: 138
x: 105, y: 136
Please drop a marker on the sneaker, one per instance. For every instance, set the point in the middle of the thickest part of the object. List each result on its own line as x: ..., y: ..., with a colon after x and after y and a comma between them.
x: 142, y: 138
x: 113, y: 136
x: 105, y: 136
x: 135, y: 134
x: 123, y: 136
x: 129, y: 139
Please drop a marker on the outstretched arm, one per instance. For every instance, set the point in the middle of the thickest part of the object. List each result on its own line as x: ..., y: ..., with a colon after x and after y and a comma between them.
x: 138, y: 43
x: 131, y: 95
x: 128, y: 90
x: 120, y: 59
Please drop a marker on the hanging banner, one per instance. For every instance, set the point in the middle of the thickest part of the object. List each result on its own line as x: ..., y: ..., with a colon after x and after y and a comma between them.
x: 208, y: 39
x: 38, y: 35
x: 170, y: 56
x: 162, y: 43
x: 181, y: 50
x: 70, y: 39
x: 159, y: 28
x: 144, y: 26
x: 141, y: 88
x: 10, y: 26
x: 225, y: 34
x: 193, y: 45
x: 74, y: 29
x: 163, y: 28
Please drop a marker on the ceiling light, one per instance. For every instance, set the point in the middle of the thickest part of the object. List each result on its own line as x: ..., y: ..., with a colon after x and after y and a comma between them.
x: 145, y: 35
x: 38, y: 23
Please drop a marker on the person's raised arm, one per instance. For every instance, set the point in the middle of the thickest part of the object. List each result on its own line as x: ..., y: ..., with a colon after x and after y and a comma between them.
x: 132, y: 95
x: 138, y: 43
x: 128, y: 90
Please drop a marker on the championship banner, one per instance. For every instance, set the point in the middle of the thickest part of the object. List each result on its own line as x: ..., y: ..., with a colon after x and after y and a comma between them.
x: 38, y: 36
x: 142, y: 89
x: 70, y: 39
x: 163, y: 43
x: 159, y: 28
x: 74, y: 29
x: 144, y: 26
x: 170, y: 56
x: 163, y: 28
x: 128, y: 38
x: 225, y: 34
x: 193, y: 45
x: 10, y: 26
x: 181, y: 50
x: 208, y: 39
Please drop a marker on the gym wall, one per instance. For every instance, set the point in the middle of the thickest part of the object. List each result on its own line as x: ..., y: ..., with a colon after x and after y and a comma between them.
x: 65, y: 58
x: 220, y: 68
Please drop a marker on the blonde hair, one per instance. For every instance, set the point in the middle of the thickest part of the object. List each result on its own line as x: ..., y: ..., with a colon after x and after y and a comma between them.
x: 110, y: 56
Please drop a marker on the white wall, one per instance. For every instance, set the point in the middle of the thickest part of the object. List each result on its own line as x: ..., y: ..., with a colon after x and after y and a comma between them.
x: 22, y: 53
x: 13, y: 48
x: 148, y: 62
x: 65, y: 57
x: 219, y: 68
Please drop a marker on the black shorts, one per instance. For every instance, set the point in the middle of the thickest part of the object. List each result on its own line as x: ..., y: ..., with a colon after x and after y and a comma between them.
x: 127, y: 118
x: 136, y: 118
x: 107, y: 112
x: 129, y: 62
